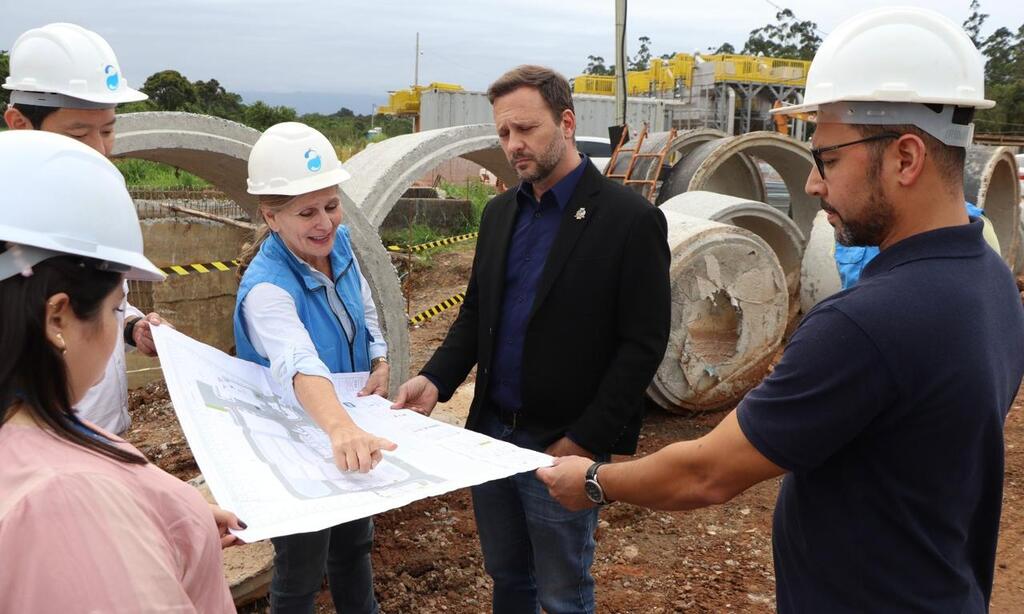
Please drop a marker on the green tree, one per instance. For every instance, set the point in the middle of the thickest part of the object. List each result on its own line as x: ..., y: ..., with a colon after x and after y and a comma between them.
x: 169, y: 90
x: 261, y: 116
x: 974, y: 22
x: 5, y: 71
x: 213, y: 99
x: 787, y: 38
x: 1004, y: 81
x: 725, y: 48
x: 643, y: 55
x: 595, y: 66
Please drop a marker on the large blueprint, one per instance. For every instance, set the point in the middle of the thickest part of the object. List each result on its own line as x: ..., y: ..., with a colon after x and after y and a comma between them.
x: 267, y: 461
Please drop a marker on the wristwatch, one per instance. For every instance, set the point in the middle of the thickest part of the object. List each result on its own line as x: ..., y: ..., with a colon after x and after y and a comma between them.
x: 376, y: 361
x: 592, y: 487
x: 129, y: 330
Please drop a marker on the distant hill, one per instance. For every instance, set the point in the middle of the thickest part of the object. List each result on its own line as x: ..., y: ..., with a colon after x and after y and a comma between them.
x: 318, y: 102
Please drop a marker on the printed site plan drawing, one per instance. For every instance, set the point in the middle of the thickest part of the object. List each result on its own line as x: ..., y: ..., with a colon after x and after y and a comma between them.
x: 268, y: 462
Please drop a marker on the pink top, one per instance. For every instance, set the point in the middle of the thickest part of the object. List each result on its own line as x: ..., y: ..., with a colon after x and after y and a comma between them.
x: 80, y: 532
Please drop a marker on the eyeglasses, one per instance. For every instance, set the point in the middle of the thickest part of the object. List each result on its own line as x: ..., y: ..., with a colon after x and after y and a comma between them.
x: 816, y: 153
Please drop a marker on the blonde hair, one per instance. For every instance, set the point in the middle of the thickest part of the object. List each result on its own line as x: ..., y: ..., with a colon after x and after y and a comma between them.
x: 275, y: 203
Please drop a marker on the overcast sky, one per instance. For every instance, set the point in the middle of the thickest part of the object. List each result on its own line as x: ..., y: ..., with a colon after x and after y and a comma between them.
x: 367, y: 48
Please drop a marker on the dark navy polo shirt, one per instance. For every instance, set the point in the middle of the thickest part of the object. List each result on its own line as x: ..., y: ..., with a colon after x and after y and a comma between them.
x: 887, y: 410
x: 534, y: 232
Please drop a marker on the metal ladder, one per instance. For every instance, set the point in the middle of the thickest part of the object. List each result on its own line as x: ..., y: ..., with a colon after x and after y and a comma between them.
x: 647, y: 186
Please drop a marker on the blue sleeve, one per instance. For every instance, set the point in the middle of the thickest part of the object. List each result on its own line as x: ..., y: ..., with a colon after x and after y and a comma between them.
x: 829, y: 386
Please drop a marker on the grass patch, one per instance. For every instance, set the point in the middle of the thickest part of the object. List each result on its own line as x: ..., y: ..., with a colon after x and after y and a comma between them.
x: 143, y: 173
x: 476, y: 193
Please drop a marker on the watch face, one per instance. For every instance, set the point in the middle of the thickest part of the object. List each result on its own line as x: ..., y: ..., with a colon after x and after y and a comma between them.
x: 593, y: 490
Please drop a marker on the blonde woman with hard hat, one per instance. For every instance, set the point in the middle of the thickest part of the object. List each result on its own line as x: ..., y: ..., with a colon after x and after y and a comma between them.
x: 305, y: 310
x: 886, y: 411
x: 66, y: 79
x: 86, y: 523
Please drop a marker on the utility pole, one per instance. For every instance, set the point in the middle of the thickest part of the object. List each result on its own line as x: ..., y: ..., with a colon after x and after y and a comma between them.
x: 416, y: 77
x: 620, y: 63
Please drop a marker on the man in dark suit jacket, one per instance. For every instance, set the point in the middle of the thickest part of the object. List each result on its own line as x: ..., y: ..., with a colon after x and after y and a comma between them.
x: 566, y: 318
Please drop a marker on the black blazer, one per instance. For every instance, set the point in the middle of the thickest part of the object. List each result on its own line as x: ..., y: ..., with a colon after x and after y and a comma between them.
x: 598, y: 327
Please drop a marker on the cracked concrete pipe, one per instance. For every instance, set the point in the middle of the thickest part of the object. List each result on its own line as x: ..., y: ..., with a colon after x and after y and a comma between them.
x: 679, y: 147
x: 728, y: 315
x: 990, y: 182
x: 767, y: 222
x: 218, y: 151
x: 712, y: 167
x: 382, y: 172
x: 819, y: 276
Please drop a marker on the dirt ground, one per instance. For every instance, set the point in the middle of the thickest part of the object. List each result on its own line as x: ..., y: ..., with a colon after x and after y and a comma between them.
x: 427, y: 558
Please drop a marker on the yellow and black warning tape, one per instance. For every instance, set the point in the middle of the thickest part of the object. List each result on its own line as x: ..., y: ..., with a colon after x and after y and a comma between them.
x: 432, y: 244
x: 204, y: 267
x: 434, y: 311
x: 220, y: 265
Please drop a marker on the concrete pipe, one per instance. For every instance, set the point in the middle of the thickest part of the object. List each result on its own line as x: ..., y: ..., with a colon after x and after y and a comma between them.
x: 218, y: 151
x: 712, y: 167
x: 209, y: 147
x: 738, y: 176
x: 382, y: 172
x: 819, y: 276
x: 777, y: 230
x: 990, y: 182
x: 728, y: 315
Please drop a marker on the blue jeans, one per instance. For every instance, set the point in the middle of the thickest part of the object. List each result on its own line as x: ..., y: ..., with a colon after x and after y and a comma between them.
x: 300, y: 561
x: 537, y: 552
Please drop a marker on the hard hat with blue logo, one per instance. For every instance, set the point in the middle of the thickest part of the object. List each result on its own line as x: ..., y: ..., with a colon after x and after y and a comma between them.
x: 63, y: 198
x: 290, y: 159
x: 64, y: 65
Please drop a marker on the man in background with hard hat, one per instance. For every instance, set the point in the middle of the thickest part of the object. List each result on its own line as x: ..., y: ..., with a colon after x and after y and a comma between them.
x: 886, y: 412
x: 66, y: 79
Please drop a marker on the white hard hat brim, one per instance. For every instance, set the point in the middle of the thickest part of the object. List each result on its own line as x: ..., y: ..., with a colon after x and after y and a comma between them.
x: 285, y: 187
x: 135, y: 266
x: 812, y: 107
x: 119, y: 97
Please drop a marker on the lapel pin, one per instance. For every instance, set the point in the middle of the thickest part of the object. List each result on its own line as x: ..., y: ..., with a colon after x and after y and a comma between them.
x: 581, y: 213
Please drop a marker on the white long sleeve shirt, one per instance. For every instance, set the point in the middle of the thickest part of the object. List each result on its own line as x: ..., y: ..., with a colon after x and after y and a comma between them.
x: 106, y: 403
x: 278, y: 334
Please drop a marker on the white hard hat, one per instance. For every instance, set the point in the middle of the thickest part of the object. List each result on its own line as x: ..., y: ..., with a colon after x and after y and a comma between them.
x: 64, y: 65
x: 60, y: 198
x: 291, y: 159
x: 896, y: 55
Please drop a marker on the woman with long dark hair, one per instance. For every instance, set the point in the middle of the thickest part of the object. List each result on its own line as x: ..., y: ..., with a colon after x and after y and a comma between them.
x: 86, y: 523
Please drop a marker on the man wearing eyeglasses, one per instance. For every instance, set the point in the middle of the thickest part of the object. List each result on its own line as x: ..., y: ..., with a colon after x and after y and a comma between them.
x: 886, y: 411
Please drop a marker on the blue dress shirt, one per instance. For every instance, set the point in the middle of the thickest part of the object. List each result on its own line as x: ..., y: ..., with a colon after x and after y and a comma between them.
x: 536, y: 227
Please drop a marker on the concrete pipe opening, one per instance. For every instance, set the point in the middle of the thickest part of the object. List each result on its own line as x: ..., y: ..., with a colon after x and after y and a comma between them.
x: 790, y: 158
x: 218, y: 151
x: 819, y: 276
x: 729, y: 312
x: 991, y: 183
x: 737, y: 175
